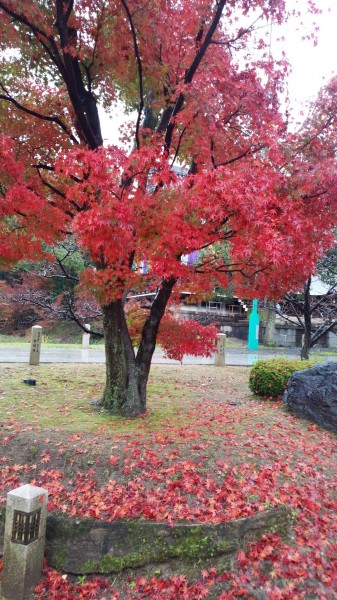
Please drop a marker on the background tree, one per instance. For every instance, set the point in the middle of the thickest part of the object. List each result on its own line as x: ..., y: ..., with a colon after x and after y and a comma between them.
x: 51, y: 290
x: 316, y: 314
x: 202, y: 101
x: 270, y: 322
x: 50, y: 287
x: 313, y: 151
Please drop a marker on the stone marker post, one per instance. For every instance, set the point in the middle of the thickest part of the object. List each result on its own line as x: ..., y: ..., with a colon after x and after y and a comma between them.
x: 24, y: 540
x: 35, y: 346
x: 86, y: 337
x: 220, y: 356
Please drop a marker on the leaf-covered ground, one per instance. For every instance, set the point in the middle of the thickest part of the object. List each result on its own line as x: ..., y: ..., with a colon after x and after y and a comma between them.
x: 207, y: 451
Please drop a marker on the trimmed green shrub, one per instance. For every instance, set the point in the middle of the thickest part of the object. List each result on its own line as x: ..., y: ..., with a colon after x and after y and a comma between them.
x: 270, y: 377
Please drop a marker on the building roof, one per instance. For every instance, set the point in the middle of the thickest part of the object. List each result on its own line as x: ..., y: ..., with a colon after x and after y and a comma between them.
x: 318, y: 287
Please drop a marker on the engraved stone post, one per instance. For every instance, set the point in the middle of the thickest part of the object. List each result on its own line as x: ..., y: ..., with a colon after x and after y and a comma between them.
x: 24, y: 540
x: 35, y: 346
x: 219, y: 359
x: 86, y: 337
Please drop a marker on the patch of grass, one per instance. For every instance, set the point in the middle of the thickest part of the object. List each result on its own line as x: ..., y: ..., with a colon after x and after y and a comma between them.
x: 16, y: 341
x: 63, y: 395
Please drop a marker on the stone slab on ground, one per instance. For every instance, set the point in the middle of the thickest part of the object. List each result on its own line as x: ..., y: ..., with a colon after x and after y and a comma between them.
x: 312, y: 394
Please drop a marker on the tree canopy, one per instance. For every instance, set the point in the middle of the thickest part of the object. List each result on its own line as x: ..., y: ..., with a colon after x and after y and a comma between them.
x: 205, y: 91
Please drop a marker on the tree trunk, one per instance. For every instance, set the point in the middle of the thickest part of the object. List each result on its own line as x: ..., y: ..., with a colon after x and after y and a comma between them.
x: 269, y: 336
x: 123, y: 393
x: 126, y: 374
x: 305, y: 348
x: 306, y: 343
x: 150, y: 331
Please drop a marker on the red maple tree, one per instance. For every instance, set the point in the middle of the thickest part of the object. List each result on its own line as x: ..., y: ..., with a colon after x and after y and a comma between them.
x: 203, y: 103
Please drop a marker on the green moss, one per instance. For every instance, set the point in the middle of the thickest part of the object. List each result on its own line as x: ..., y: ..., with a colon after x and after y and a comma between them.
x: 194, y: 547
x: 115, y: 564
x: 59, y: 559
x: 190, y: 546
x: 190, y: 552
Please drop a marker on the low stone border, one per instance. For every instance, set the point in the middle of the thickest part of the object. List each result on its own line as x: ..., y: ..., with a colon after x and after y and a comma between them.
x: 83, y: 546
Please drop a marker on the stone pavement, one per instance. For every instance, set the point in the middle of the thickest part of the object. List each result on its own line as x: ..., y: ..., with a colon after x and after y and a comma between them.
x: 234, y: 356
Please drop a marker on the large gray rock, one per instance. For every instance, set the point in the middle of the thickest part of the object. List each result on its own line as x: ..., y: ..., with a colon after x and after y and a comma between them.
x: 313, y: 394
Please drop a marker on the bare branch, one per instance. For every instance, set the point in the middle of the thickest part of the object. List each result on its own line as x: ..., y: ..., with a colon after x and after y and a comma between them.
x: 242, y: 32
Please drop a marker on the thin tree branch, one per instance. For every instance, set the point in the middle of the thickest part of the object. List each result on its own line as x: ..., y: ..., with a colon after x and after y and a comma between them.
x: 39, y: 34
x: 294, y: 304
x: 250, y: 150
x: 241, y: 33
x: 50, y: 168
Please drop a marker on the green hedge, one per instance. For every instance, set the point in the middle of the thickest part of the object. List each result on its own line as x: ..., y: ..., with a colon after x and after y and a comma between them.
x: 270, y: 377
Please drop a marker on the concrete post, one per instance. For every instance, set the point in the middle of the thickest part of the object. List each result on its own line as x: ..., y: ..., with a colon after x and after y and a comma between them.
x: 24, y: 541
x: 220, y: 356
x: 86, y: 337
x: 35, y: 346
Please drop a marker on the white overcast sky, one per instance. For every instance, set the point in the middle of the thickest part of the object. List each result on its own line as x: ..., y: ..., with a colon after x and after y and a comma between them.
x: 312, y: 65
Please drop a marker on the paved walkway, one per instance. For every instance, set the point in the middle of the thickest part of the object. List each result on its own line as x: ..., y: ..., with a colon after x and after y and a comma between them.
x: 234, y: 356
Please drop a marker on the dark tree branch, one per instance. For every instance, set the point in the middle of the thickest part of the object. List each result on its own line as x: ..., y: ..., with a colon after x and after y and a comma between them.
x: 181, y: 135
x: 323, y: 298
x: 318, y: 334
x: 69, y: 10
x: 189, y: 74
x: 151, y: 325
x: 51, y: 118
x: 140, y: 70
x: 61, y: 194
x: 74, y: 317
x: 51, y: 187
x: 82, y: 100
x: 66, y: 274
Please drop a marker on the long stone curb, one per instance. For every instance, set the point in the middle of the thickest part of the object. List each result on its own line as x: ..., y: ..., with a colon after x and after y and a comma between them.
x: 83, y: 546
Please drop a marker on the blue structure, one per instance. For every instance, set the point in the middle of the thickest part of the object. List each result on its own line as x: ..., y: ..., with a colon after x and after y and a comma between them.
x: 253, y: 329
